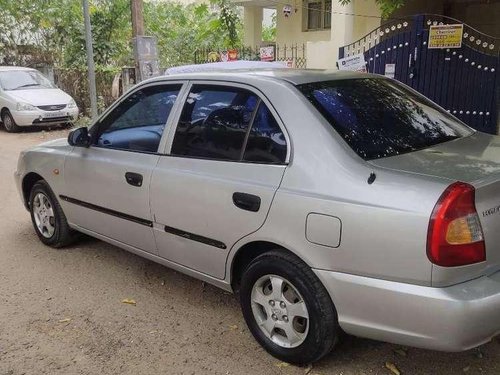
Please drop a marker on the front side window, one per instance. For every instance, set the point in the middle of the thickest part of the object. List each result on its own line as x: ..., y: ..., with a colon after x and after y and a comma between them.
x: 138, y: 123
x: 24, y: 80
x: 379, y: 117
x: 228, y: 123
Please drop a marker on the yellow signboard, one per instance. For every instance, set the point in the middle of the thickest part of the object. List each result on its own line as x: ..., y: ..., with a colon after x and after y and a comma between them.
x: 446, y: 36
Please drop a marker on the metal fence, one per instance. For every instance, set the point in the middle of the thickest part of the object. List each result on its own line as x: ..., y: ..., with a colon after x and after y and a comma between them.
x: 464, y: 80
x: 294, y: 53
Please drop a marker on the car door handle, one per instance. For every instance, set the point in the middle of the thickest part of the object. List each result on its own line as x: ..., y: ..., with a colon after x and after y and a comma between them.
x: 247, y: 202
x: 134, y: 179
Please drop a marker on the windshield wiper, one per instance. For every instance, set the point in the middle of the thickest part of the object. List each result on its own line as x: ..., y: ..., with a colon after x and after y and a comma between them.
x: 27, y: 85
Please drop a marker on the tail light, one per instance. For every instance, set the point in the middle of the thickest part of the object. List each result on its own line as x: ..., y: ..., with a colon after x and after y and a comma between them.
x: 455, y: 237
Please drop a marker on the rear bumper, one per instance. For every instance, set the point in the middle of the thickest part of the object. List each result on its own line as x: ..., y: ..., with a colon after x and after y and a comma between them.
x: 452, y: 319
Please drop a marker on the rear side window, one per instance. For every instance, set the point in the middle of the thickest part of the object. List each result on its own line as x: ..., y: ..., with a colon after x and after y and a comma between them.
x: 227, y: 123
x: 266, y: 142
x: 380, y: 118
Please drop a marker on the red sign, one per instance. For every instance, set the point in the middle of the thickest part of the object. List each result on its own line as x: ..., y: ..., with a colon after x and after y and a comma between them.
x: 267, y: 53
x: 232, y: 54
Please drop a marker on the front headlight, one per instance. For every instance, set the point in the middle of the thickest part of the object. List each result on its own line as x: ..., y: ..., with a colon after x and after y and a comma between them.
x: 25, y: 107
x: 71, y: 104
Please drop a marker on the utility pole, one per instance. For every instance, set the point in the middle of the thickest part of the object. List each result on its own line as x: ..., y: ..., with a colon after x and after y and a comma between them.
x: 137, y: 18
x: 90, y: 59
x: 136, y: 7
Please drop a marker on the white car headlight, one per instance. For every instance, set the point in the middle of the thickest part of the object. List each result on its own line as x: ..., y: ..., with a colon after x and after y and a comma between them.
x: 71, y: 104
x: 25, y: 107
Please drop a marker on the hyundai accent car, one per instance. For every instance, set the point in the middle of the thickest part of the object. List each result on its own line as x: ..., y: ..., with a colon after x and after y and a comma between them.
x: 332, y: 201
x: 27, y: 98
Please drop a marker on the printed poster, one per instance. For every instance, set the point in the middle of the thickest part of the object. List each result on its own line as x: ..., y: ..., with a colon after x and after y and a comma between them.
x: 355, y: 63
x: 445, y: 36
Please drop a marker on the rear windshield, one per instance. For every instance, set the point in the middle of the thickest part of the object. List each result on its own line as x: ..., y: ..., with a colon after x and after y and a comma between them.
x: 379, y: 117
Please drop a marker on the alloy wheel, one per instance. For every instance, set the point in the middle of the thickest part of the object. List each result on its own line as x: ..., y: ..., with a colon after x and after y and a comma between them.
x: 43, y: 213
x: 280, y: 311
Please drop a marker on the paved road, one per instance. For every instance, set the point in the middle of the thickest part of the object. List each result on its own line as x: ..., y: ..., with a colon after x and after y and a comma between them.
x: 61, y: 312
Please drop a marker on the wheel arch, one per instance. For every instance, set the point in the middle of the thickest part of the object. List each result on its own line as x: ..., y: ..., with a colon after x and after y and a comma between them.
x: 247, y: 253
x: 28, y: 182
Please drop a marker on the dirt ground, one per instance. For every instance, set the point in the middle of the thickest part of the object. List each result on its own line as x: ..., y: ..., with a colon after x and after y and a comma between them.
x: 61, y: 312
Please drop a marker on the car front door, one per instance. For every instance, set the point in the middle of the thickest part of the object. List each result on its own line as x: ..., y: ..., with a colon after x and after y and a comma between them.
x: 226, y: 160
x: 107, y: 184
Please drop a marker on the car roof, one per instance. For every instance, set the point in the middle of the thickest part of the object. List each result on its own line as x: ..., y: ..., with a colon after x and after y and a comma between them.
x: 224, y: 66
x: 11, y: 68
x: 294, y: 76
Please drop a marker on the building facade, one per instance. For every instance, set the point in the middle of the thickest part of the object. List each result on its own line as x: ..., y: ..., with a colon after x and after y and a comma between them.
x: 323, y: 26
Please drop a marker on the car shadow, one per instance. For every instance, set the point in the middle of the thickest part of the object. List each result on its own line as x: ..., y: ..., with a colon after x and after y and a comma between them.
x: 37, y: 129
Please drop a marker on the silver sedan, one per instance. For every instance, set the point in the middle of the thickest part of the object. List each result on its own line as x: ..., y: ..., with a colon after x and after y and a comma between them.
x: 331, y: 201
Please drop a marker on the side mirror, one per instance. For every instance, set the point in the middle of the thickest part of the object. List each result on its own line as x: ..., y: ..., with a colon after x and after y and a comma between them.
x: 79, y: 137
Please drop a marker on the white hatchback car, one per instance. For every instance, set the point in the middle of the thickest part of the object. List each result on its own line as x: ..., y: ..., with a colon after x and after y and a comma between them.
x: 27, y: 98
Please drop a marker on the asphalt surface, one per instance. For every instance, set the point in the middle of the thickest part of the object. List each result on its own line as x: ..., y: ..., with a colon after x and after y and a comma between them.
x: 61, y: 312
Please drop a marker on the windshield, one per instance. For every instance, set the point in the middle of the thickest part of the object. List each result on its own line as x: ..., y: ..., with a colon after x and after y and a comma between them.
x: 24, y: 80
x: 380, y: 118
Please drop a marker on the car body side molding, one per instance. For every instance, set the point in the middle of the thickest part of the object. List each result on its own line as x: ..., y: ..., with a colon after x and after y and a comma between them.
x: 195, y: 237
x: 108, y: 211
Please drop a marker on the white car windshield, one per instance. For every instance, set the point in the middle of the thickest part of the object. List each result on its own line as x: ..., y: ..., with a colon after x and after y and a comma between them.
x: 24, y: 80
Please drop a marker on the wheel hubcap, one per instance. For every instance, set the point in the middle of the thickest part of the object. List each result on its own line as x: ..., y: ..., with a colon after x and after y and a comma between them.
x: 280, y: 311
x: 7, y: 122
x: 44, y: 215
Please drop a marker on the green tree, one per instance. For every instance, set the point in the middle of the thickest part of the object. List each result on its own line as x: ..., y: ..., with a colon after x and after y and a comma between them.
x: 111, y: 33
x: 181, y: 29
x: 269, y: 31
x: 52, y: 31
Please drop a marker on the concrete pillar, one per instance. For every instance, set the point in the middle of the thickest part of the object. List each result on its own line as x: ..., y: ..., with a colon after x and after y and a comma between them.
x: 342, y: 24
x: 252, y: 29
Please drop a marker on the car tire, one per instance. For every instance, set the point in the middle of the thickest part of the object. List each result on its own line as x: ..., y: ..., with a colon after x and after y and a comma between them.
x: 48, y: 217
x: 9, y: 123
x: 311, y: 337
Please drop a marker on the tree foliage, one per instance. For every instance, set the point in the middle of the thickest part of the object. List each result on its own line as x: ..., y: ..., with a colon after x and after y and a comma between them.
x: 52, y: 31
x: 269, y: 31
x: 182, y: 29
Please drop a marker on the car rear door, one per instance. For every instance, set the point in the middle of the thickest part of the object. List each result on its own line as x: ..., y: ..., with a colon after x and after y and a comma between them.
x: 107, y: 184
x: 226, y: 160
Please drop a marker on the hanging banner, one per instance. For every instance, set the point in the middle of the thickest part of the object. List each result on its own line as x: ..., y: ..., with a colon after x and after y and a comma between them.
x: 445, y: 36
x: 355, y: 63
x: 266, y: 53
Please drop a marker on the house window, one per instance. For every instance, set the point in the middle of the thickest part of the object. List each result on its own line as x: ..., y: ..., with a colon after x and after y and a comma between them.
x: 318, y: 14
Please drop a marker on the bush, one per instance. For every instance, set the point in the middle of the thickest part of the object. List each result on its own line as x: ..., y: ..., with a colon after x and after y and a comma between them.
x: 74, y: 81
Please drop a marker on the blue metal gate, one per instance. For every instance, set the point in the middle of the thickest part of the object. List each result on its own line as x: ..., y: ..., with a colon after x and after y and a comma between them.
x: 464, y: 81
